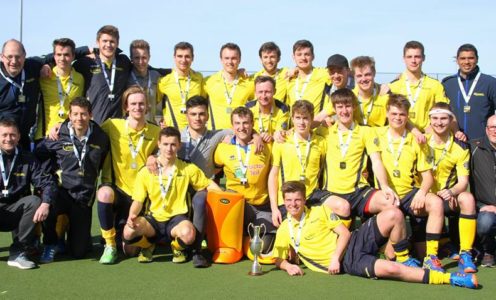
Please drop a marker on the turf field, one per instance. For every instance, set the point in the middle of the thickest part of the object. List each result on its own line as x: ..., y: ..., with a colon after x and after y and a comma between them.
x: 83, y: 279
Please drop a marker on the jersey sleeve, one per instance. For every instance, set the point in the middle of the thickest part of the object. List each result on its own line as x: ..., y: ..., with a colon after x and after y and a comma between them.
x: 218, y: 157
x: 140, y: 191
x: 331, y: 219
x: 282, y: 241
x: 197, y: 178
x: 440, y: 94
x: 371, y: 140
x: 422, y: 161
x: 463, y: 164
x: 276, y: 154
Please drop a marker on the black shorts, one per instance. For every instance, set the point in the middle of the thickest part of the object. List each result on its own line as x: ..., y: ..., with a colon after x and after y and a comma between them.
x: 358, y: 199
x: 361, y: 254
x: 406, y: 202
x: 122, y: 204
x: 164, y: 229
x: 317, y: 197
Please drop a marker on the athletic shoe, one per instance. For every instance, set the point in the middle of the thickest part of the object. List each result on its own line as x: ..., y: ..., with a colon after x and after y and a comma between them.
x: 487, y: 260
x: 20, y: 261
x: 146, y: 254
x: 433, y: 263
x: 464, y: 280
x: 466, y: 263
x: 199, y: 261
x: 178, y: 256
x: 48, y: 254
x: 450, y: 251
x: 109, y: 255
x: 61, y: 247
x: 411, y: 262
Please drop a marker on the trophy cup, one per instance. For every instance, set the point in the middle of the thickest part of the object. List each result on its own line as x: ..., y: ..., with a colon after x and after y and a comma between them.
x: 256, y: 245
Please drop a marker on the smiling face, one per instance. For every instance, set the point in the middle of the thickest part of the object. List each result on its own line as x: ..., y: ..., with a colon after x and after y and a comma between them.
x: 491, y: 130
x: 242, y: 127
x: 364, y: 78
x: 440, y: 123
x: 183, y: 58
x: 397, y: 117
x: 467, y: 62
x: 270, y: 59
x: 302, y: 122
x: 303, y: 58
x: 140, y: 58
x: 264, y: 92
x: 168, y: 146
x: 9, y: 138
x: 295, y: 204
x: 136, y: 106
x: 13, y: 58
x: 344, y: 112
x: 230, y: 59
x: 63, y: 57
x: 107, y: 44
x: 339, y: 76
x: 80, y: 118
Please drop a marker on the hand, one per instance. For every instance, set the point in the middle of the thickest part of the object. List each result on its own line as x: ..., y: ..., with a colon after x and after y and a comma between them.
x: 280, y: 136
x: 418, y: 201
x: 258, y: 143
x: 461, y: 136
x: 334, y: 268
x: 294, y: 270
x: 276, y: 217
x: 489, y: 208
x: 41, y: 213
x: 151, y: 164
x: 384, y: 89
x: 266, y: 137
x: 162, y: 124
x: 227, y: 139
x: 242, y: 73
x: 53, y: 134
x: 291, y: 73
x: 391, y: 196
x: 328, y: 121
x: 419, y: 136
x: 445, y: 194
x: 45, y: 72
x: 131, y: 221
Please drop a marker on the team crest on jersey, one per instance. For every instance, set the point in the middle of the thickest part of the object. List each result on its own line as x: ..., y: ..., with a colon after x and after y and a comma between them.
x: 19, y: 174
x: 430, y: 159
x: 68, y: 147
x: 479, y: 94
x: 334, y: 217
x: 96, y: 69
x: 466, y: 165
x: 376, y: 141
x: 95, y: 146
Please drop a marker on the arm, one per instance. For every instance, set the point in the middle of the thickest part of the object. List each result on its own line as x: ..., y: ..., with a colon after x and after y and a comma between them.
x: 341, y: 244
x: 273, y: 195
x: 380, y: 174
x: 292, y: 270
x: 418, y: 201
x: 134, y: 211
x: 213, y: 187
x: 419, y: 136
x: 458, y: 188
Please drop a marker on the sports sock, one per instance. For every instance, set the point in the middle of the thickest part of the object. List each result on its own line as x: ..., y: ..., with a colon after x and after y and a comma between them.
x: 436, y: 277
x: 178, y: 244
x: 401, y: 251
x: 139, y: 241
x: 109, y: 237
x: 105, y: 215
x: 61, y: 225
x: 467, y: 227
x: 432, y: 243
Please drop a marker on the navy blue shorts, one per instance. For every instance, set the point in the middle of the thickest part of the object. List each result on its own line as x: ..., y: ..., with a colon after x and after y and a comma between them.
x: 361, y: 254
x: 164, y: 229
x: 358, y: 199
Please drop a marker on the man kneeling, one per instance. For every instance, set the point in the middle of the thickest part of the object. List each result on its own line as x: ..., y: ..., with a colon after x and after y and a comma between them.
x: 319, y: 238
x: 167, y: 212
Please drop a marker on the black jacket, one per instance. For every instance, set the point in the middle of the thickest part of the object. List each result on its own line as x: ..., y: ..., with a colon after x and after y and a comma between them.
x: 60, y: 156
x: 483, y: 171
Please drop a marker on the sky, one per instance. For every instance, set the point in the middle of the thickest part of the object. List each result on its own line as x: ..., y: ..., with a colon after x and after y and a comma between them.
x: 352, y: 28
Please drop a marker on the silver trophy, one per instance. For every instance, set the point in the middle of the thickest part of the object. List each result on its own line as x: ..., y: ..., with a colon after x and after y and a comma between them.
x: 256, y: 246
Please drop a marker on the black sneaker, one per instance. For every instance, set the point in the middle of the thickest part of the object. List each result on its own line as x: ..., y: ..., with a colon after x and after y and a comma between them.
x: 199, y: 261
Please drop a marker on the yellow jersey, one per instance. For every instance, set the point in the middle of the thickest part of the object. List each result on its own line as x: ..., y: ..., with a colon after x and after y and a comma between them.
x: 312, y: 88
x: 278, y: 118
x: 281, y: 82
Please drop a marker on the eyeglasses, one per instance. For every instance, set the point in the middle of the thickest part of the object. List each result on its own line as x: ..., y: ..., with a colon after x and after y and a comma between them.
x: 492, y: 127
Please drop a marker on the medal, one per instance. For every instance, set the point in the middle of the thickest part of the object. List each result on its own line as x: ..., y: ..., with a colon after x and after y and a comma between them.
x: 342, y: 165
x: 411, y: 115
x: 243, y: 166
x: 6, y: 176
x: 61, y: 113
x: 396, y: 173
x: 21, y: 98
x: 134, y: 165
x: 466, y: 109
x: 244, y: 181
x: 302, y: 178
x: 111, y: 97
x: 5, y: 193
x: 81, y: 173
x: 183, y: 110
x: 303, y: 161
x: 345, y: 146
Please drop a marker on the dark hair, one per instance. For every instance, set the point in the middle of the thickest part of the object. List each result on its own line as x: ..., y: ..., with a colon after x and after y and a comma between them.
x: 196, y: 101
x: 231, y: 46
x: 302, y: 44
x: 270, y: 47
x: 414, y: 45
x: 302, y: 107
x: 9, y: 123
x: 467, y: 47
x: 170, y: 131
x: 242, y: 112
x: 65, y: 42
x: 184, y: 46
x: 108, y: 29
x: 139, y: 44
x: 398, y: 101
x: 344, y: 96
x: 80, y: 102
x: 362, y: 61
x: 263, y: 78
x: 293, y: 187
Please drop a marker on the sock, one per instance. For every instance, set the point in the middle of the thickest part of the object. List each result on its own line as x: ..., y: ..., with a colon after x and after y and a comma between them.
x: 436, y: 277
x: 105, y: 215
x: 61, y: 225
x: 401, y: 251
x: 467, y: 228
x: 109, y: 236
x: 432, y: 243
x: 178, y: 244
x: 139, y: 241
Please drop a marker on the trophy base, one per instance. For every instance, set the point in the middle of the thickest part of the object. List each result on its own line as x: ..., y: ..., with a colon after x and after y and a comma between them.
x: 255, y: 273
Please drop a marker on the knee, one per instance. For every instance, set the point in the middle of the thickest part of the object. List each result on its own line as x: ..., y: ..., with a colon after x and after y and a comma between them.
x: 32, y: 202
x: 339, y: 206
x: 467, y: 203
x: 392, y: 269
x: 128, y: 233
x: 393, y: 215
x: 485, y: 222
x: 434, y: 205
x: 105, y: 194
x: 187, y: 234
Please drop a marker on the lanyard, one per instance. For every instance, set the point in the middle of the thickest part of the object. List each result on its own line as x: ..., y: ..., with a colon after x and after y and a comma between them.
x: 344, y: 147
x: 165, y: 189
x: 433, y: 152
x: 149, y: 84
x: 296, y: 241
x: 63, y: 94
x: 6, y: 178
x: 243, y: 166
x: 409, y: 91
x: 184, y: 94
x: 369, y: 110
x: 396, y: 157
x: 188, y: 149
x: 85, y: 139
x: 230, y: 96
x: 303, y: 164
x: 260, y: 121
x: 299, y: 94
x: 23, y: 80
x: 466, y: 96
x: 134, y: 150
x: 110, y: 82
